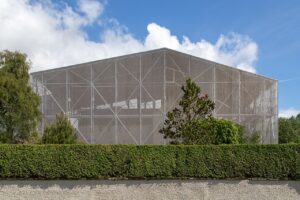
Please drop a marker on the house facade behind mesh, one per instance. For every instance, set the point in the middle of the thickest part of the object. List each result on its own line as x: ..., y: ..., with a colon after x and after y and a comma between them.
x: 124, y: 100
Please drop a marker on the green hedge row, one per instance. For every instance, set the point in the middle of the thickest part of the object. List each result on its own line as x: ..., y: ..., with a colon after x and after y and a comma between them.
x: 149, y: 161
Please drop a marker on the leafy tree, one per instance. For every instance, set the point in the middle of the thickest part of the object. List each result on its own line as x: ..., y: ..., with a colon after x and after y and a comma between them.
x: 289, y: 130
x: 60, y: 132
x: 182, y: 123
x: 19, y: 113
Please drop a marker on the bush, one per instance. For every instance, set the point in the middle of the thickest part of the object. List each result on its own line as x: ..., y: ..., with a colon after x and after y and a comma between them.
x: 214, y: 131
x: 35, y: 138
x: 209, y: 131
x: 150, y: 161
x: 248, y: 138
x: 60, y: 132
x: 225, y: 131
x: 289, y: 130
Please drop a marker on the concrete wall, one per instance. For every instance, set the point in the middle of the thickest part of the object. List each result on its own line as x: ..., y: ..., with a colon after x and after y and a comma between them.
x: 156, y: 189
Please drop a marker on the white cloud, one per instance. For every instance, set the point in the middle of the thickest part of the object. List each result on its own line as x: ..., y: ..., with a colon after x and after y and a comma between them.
x: 287, y: 113
x: 91, y: 8
x: 160, y: 37
x: 53, y: 35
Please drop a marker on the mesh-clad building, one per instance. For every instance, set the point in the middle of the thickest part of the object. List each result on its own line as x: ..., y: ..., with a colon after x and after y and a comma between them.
x: 124, y: 100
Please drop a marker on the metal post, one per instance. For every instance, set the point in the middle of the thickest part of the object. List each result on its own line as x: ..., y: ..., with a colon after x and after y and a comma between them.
x: 67, y: 93
x: 139, y: 102
x: 214, y: 88
x: 164, y: 88
x: 92, y: 104
x: 116, y: 99
x: 264, y: 113
x: 189, y: 72
x: 239, y: 96
x: 277, y: 101
x: 43, y: 100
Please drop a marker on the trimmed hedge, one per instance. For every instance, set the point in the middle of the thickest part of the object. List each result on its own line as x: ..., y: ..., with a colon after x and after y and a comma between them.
x: 149, y: 161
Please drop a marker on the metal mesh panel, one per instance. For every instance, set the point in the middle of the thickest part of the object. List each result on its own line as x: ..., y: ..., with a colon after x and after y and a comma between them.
x: 152, y: 84
x: 103, y: 92
x: 150, y: 129
x: 104, y: 130
x: 253, y: 124
x: 201, y: 71
x: 54, y: 77
x: 179, y: 64
x: 227, y: 99
x: 125, y: 99
x: 128, y: 130
x: 173, y: 95
x: 226, y: 91
x: 80, y: 99
x: 54, y: 99
x: 151, y: 99
x: 80, y: 74
x: 83, y: 127
x: 252, y: 94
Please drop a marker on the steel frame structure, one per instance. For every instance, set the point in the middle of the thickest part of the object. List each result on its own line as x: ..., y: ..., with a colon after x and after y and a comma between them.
x: 125, y: 99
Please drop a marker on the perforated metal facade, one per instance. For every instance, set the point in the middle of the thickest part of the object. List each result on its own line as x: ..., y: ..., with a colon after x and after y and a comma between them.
x: 125, y: 99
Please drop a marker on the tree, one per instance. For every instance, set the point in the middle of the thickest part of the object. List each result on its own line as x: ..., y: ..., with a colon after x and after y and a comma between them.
x: 183, y: 123
x: 19, y: 112
x: 192, y: 122
x: 289, y: 130
x: 60, y: 132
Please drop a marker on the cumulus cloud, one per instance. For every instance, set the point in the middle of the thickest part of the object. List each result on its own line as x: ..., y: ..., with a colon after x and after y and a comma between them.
x: 92, y: 9
x: 54, y: 35
x: 233, y: 49
x: 287, y: 113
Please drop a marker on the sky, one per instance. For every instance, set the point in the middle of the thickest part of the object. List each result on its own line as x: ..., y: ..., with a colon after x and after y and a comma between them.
x: 260, y: 36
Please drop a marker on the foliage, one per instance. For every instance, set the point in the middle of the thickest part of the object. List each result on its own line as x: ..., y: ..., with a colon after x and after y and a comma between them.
x: 254, y: 138
x: 183, y: 122
x: 19, y: 113
x: 150, y: 161
x: 248, y: 138
x: 225, y: 131
x: 35, y: 138
x: 210, y: 131
x: 289, y: 130
x: 60, y: 132
x: 192, y: 122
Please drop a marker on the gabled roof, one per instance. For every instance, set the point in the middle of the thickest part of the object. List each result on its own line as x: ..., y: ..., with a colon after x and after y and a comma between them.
x: 148, y: 52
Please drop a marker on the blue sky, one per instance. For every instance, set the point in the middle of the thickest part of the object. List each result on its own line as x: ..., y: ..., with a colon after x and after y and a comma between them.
x: 273, y: 25
x: 266, y: 34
